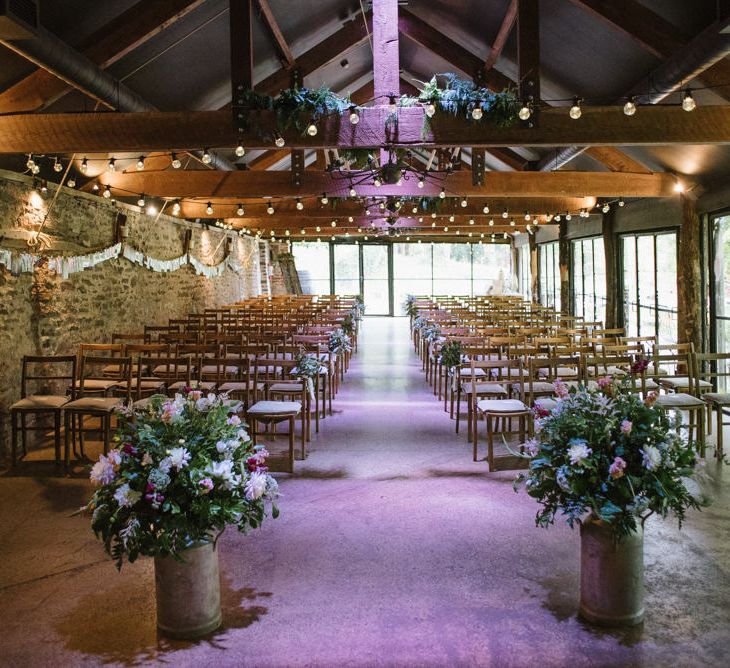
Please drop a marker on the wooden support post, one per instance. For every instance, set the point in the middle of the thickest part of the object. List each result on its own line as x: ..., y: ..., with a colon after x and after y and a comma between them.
x: 241, y: 25
x: 297, y: 166
x: 689, y: 282
x: 534, y: 270
x: 613, y: 316
x: 386, y: 59
x: 528, y: 55
x: 478, y: 166
x: 566, y: 301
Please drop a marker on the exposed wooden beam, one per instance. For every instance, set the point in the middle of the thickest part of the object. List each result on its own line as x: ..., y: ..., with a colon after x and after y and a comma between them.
x: 180, y: 131
x: 510, y: 158
x: 211, y: 184
x: 268, y: 159
x: 508, y: 22
x: 654, y: 34
x: 241, y: 31
x: 616, y: 161
x: 417, y: 30
x: 130, y: 30
x: 281, y: 44
x: 386, y: 62
x: 528, y: 52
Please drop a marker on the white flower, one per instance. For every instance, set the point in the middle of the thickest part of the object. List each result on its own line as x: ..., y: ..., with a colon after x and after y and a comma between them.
x: 125, y: 496
x: 129, y: 531
x: 223, y: 471
x: 234, y: 421
x: 578, y: 452
x: 165, y: 465
x: 147, y: 459
x: 256, y: 486
x: 652, y: 457
x: 103, y: 472
x: 179, y: 458
x: 242, y: 435
x: 532, y: 447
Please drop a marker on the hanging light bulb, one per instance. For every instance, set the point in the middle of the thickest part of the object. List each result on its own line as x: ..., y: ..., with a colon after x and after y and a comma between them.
x: 209, y: 208
x: 477, y: 112
x: 333, y: 223
x: 57, y: 166
x: 420, y: 182
x: 575, y: 111
x: 299, y: 204
x: 525, y: 111
x: 512, y: 223
x: 471, y: 221
x: 350, y: 219
x: 446, y: 229
x: 505, y: 214
x: 557, y: 218
x: 30, y: 163
x: 606, y: 208
x: 84, y: 166
x: 207, y: 157
x: 442, y: 194
x: 452, y: 218
x: 491, y: 222
x: 287, y: 233
x: 152, y: 210
x: 377, y: 182
x: 324, y: 199
x: 414, y: 209
x: 176, y: 163
x: 354, y: 116
x: 279, y: 141
x: 621, y: 202
x: 630, y: 107
x: 353, y: 192
x: 240, y: 211
x: 568, y: 216
x: 485, y: 209
x: 433, y: 224
x: 318, y: 228
x: 270, y: 209
x: 111, y: 165
x: 464, y: 203
x: 240, y: 151
x: 433, y: 215
x: 312, y: 129
x: 71, y: 183
x: 95, y: 187
x: 392, y: 106
x: 140, y: 201
x: 140, y: 163
x: 302, y: 231
x: 107, y: 192
x: 527, y: 216
x: 176, y: 209
x: 430, y: 109
x: 688, y: 102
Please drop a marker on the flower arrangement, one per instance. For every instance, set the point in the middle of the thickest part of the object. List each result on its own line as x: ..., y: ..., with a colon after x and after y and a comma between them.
x: 409, y: 306
x: 339, y: 342
x: 451, y: 354
x: 430, y: 332
x: 358, y: 309
x: 607, y: 454
x: 183, y: 470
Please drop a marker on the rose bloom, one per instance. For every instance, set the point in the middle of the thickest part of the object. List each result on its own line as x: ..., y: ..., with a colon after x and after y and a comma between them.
x: 604, y: 382
x: 626, y: 427
x: 616, y: 470
x: 651, y: 397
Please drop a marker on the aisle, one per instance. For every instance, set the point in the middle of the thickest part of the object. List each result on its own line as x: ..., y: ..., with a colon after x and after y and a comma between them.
x: 393, y: 548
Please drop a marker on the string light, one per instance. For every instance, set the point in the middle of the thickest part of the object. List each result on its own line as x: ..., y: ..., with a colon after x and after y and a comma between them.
x: 575, y: 111
x: 377, y: 182
x: 485, y: 209
x: 679, y: 187
x: 84, y: 166
x: 318, y: 228
x: 111, y: 165
x: 354, y: 116
x: 442, y: 194
x: 630, y: 107
x: 107, y: 192
x: 140, y: 201
x: 568, y: 216
x: 505, y: 214
x: 477, y: 112
x: 333, y: 223
x: 270, y: 209
x: 525, y: 111
x: 209, y: 208
x: 30, y: 163
x: 299, y: 204
x: 176, y: 209
x: 312, y: 129
x: 57, y: 166
x: 95, y: 187
x: 621, y: 202
x: 688, y: 102
x: 152, y: 210
x: 491, y: 222
x: 452, y: 219
x: 240, y: 151
x: 353, y: 192
x: 207, y: 157
x: 605, y: 208
x: 279, y: 141
x: 140, y: 163
x: 71, y: 183
x: 324, y: 199
x: 350, y: 219
x: 420, y: 182
x: 240, y: 211
x: 471, y: 221
x: 512, y: 223
x: 527, y: 216
x: 430, y: 109
x: 176, y: 163
x: 464, y: 203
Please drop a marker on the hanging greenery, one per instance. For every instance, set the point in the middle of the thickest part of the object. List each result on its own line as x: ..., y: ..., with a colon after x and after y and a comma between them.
x: 451, y: 354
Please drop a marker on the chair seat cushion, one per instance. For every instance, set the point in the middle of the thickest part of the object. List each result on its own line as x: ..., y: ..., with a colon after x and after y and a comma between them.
x: 167, y: 369
x: 148, y: 383
x: 97, y: 404
x: 591, y: 384
x: 501, y: 406
x: 96, y: 384
x: 567, y: 371
x: 142, y: 403
x: 681, y: 383
x: 541, y: 386
x: 720, y: 398
x: 195, y: 384
x: 211, y: 369
x: 40, y: 402
x: 546, y: 403
x: 239, y: 386
x: 286, y: 387
x: 466, y: 372
x: 484, y: 388
x: 275, y: 408
x: 679, y: 400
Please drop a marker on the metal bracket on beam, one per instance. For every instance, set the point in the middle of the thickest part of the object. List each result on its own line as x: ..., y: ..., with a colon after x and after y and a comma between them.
x: 297, y: 166
x: 297, y: 80
x: 478, y: 165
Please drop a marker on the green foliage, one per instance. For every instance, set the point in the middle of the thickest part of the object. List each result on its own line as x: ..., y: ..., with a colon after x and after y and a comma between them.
x: 182, y: 471
x: 451, y: 354
x: 308, y: 365
x: 606, y: 454
x: 339, y: 342
x: 410, y: 306
x: 298, y: 107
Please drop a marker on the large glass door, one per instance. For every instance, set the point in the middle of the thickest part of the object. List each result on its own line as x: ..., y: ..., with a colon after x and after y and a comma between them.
x: 376, y: 279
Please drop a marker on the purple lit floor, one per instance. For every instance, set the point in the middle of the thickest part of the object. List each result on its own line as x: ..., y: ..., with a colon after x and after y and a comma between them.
x: 392, y: 548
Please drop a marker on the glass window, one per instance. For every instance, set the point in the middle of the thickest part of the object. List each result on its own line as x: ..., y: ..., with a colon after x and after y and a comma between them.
x: 347, y: 269
x: 313, y: 266
x: 549, y: 257
x: 650, y: 285
x: 452, y: 269
x: 411, y: 273
x: 491, y: 268
x: 589, y: 279
x: 376, y: 286
x: 524, y: 270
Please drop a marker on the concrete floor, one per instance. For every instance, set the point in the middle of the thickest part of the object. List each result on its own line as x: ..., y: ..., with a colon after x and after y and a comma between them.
x: 392, y: 548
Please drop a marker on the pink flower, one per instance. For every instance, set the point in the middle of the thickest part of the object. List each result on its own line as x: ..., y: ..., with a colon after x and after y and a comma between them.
x: 605, y: 382
x: 651, y: 397
x: 207, y: 485
x: 616, y: 470
x: 195, y: 395
x: 234, y: 420
x: 561, y: 389
x: 626, y: 427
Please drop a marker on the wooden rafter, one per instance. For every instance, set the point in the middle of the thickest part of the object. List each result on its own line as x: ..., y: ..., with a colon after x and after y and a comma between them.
x: 281, y: 44
x: 105, y: 47
x: 180, y: 131
x: 508, y: 22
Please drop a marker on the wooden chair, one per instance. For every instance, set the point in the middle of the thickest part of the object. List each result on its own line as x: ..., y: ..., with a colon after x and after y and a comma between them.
x: 43, y: 402
x: 713, y: 368
x: 102, y: 407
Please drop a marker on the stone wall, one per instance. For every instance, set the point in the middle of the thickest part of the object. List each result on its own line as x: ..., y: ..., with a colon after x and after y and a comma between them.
x: 40, y: 313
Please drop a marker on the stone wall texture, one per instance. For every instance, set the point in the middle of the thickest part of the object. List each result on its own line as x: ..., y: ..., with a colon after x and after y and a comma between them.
x: 43, y: 314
